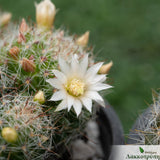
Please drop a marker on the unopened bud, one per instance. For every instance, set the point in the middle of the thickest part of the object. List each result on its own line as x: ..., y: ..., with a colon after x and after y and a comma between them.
x: 39, y: 97
x: 105, y: 68
x: 14, y: 51
x: 5, y: 19
x: 9, y: 134
x: 28, y: 65
x: 83, y: 40
x: 21, y: 38
x: 45, y: 14
x: 23, y: 26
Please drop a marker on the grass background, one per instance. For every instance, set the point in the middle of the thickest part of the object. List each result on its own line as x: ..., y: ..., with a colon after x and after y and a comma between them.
x: 125, y: 31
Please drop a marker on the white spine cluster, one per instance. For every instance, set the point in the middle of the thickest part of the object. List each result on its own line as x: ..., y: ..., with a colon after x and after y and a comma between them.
x: 34, y: 127
x: 147, y: 128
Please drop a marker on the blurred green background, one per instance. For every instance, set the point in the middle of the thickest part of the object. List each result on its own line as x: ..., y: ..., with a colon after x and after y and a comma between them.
x: 125, y: 31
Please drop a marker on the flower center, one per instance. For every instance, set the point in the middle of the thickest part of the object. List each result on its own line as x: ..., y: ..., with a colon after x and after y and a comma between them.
x: 75, y: 87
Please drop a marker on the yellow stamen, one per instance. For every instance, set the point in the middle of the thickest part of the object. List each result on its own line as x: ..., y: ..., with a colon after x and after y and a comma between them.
x: 75, y: 87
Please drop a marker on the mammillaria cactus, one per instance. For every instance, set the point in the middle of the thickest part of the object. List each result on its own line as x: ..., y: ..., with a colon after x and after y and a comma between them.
x: 39, y: 68
x: 146, y: 130
x: 25, y: 127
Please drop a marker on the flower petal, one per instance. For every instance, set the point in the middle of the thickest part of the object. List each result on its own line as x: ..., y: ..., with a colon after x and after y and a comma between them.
x: 77, y: 106
x: 84, y: 65
x: 99, y: 87
x: 87, y: 102
x: 70, y: 101
x: 93, y: 70
x: 101, y: 102
x: 61, y: 106
x: 55, y: 83
x: 61, y: 77
x: 96, y: 78
x: 64, y: 66
x: 58, y: 96
x: 103, y: 79
x: 75, y: 65
x: 96, y: 97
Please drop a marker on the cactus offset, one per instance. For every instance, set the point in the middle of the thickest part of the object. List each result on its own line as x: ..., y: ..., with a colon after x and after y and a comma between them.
x: 147, y: 127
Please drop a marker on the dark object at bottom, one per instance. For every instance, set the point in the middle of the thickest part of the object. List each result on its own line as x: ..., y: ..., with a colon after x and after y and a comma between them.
x: 111, y: 131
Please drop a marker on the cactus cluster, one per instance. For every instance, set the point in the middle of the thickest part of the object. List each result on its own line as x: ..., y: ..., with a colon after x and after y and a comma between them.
x: 28, y: 55
x: 29, y: 124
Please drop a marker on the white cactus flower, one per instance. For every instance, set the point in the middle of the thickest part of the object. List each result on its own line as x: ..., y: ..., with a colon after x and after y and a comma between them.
x: 77, y: 85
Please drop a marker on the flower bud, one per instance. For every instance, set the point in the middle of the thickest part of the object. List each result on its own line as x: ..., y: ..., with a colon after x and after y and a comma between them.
x: 45, y: 14
x: 21, y: 38
x: 39, y: 97
x: 28, y: 65
x: 13, y: 52
x: 9, y: 134
x: 23, y: 26
x: 5, y: 18
x: 83, y: 40
x: 105, y: 68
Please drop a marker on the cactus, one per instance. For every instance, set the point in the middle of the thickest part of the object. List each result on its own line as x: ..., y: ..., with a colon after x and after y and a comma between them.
x: 33, y: 126
x: 27, y: 60
x: 30, y: 125
x: 147, y: 128
x: 37, y: 54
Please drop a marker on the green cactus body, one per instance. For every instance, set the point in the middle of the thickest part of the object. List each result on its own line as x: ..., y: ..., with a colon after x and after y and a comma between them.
x: 23, y: 72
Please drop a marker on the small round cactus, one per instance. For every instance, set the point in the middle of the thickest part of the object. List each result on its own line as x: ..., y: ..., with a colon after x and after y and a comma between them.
x: 146, y: 130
